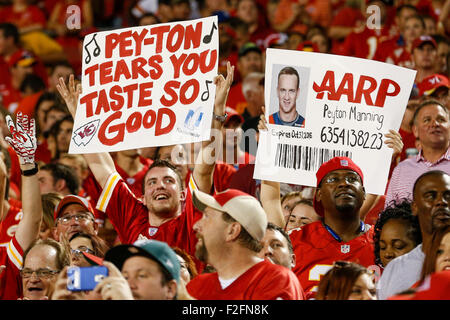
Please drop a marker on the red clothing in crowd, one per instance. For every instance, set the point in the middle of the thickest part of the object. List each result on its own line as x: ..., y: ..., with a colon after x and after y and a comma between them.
x: 263, y: 281
x: 8, y: 225
x: 130, y: 217
x: 11, y: 256
x: 316, y: 249
x: 31, y: 15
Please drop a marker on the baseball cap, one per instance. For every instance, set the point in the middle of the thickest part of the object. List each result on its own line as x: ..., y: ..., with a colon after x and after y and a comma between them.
x: 152, y: 249
x: 248, y: 47
x: 233, y: 114
x: 428, y: 85
x: 70, y: 199
x: 308, y: 46
x: 244, y: 208
x: 22, y: 58
x: 420, y: 41
x: 336, y: 163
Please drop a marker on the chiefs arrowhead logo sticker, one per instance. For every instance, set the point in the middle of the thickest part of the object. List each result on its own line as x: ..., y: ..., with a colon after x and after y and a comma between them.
x: 84, y: 134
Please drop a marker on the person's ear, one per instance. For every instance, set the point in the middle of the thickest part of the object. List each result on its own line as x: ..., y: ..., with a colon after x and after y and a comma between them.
x: 415, y: 130
x: 293, y: 261
x: 171, y: 289
x: 232, y: 231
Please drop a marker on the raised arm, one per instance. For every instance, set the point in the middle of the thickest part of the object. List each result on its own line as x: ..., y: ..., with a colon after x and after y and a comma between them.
x: 23, y: 140
x: 206, y: 159
x: 101, y: 164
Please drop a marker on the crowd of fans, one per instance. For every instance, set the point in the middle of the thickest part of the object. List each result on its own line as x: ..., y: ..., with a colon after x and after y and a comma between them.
x: 168, y: 227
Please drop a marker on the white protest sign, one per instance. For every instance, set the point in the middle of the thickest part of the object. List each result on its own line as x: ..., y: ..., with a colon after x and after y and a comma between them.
x: 343, y: 107
x: 147, y: 86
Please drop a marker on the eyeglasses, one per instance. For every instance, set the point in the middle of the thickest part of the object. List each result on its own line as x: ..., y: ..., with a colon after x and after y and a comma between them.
x: 40, y: 273
x: 335, y: 179
x: 80, y: 217
x: 79, y: 252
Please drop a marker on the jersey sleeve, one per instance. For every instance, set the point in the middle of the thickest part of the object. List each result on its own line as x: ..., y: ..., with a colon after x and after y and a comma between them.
x: 123, y: 209
x: 282, y: 285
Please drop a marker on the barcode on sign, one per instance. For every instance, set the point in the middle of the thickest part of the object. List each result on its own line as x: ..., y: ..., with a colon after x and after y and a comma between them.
x: 305, y: 158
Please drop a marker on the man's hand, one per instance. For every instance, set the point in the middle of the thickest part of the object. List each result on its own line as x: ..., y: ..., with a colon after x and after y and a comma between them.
x: 70, y: 94
x: 394, y: 141
x: 262, y: 124
x: 23, y: 137
x: 115, y: 286
x: 61, y: 292
x: 222, y: 88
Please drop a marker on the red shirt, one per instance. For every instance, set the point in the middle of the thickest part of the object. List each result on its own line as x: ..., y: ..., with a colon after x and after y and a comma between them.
x: 315, y: 251
x: 236, y: 99
x: 9, y: 224
x: 10, y: 279
x: 31, y: 15
x: 130, y: 217
x: 135, y: 182
x: 363, y: 44
x: 263, y: 281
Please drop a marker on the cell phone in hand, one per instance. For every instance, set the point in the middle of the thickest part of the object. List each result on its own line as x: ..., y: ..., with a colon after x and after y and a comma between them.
x: 85, y: 278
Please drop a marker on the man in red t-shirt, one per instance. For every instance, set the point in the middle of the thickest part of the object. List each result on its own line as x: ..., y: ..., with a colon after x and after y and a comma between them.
x: 161, y: 214
x: 340, y: 234
x: 229, y: 238
x: 11, y: 256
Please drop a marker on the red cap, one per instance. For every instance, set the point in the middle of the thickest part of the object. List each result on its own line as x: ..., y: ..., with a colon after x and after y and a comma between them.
x: 422, y: 40
x: 71, y: 198
x: 233, y: 114
x: 308, y: 46
x: 428, y: 85
x: 336, y: 163
x: 22, y: 58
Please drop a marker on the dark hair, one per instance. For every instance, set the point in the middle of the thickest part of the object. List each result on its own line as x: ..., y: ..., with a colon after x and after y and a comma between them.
x: 62, y: 63
x: 338, y: 282
x: 400, y: 211
x: 244, y: 238
x: 405, y: 6
x: 55, y: 128
x: 10, y: 30
x: 427, y: 103
x: 46, y: 96
x: 32, y: 82
x: 440, y: 38
x: 62, y: 258
x: 66, y: 173
x: 289, y: 71
x: 271, y: 226
x: 431, y: 251
x: 161, y: 164
x: 426, y: 174
x: 148, y: 15
x: 100, y: 246
x: 418, y: 17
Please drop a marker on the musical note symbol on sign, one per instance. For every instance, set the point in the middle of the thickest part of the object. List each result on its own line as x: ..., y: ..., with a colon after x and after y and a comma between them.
x: 206, y: 92
x: 208, y: 37
x: 96, y: 50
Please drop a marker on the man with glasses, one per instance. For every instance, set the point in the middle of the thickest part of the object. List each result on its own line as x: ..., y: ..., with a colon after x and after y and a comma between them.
x: 72, y: 215
x: 339, y: 234
x: 41, y: 264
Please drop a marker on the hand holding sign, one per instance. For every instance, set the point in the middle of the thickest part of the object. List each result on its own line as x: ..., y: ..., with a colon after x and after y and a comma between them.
x: 23, y: 138
x: 222, y: 88
x: 71, y: 94
x: 394, y: 141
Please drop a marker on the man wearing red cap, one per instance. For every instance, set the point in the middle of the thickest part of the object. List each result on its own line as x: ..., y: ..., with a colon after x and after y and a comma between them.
x: 72, y: 215
x: 424, y: 54
x: 436, y: 86
x: 229, y: 238
x: 340, y: 234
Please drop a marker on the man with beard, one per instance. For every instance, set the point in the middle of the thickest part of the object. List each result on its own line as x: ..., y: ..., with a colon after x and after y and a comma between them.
x: 339, y: 234
x: 431, y: 199
x: 166, y: 212
x: 229, y: 239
